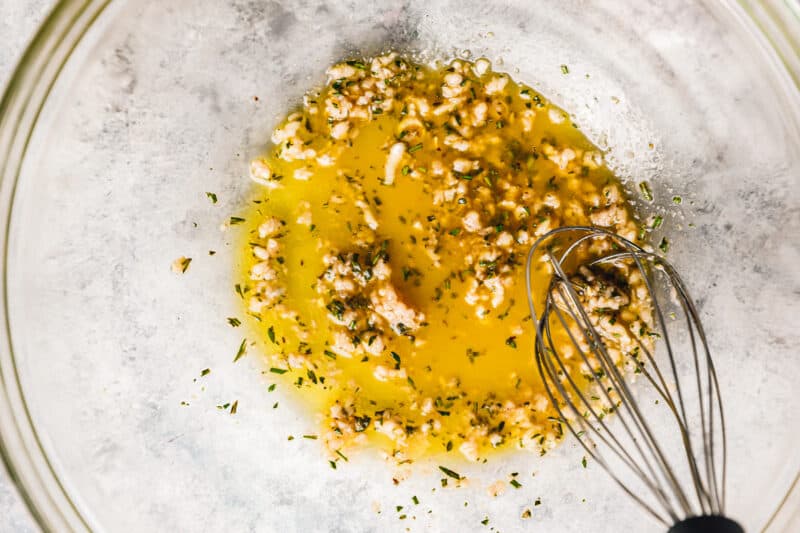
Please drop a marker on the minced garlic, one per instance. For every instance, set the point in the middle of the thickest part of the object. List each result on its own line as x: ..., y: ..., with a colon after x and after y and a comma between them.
x: 389, y: 266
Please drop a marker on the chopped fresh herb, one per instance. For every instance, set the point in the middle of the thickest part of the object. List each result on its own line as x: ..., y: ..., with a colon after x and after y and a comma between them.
x: 406, y: 170
x: 211, y: 196
x: 236, y: 220
x: 664, y: 245
x: 511, y: 341
x: 234, y: 322
x: 455, y: 231
x: 333, y: 464
x: 362, y: 423
x: 677, y: 200
x: 647, y: 194
x: 275, y: 370
x: 357, y: 64
x: 415, y: 148
x: 450, y: 473
x: 271, y: 388
x: 516, y: 484
x: 538, y: 501
x: 485, y: 521
x: 241, y: 351
x: 657, y: 221
x: 583, y: 461
x: 234, y: 407
x: 564, y: 69
x: 271, y: 335
x: 239, y: 290
x: 310, y: 437
x: 343, y: 456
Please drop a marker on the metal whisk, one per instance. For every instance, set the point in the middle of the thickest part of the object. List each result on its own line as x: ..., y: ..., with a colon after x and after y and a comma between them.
x: 647, y: 410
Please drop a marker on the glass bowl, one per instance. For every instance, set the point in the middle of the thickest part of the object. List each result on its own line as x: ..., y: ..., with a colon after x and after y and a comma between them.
x: 122, y: 115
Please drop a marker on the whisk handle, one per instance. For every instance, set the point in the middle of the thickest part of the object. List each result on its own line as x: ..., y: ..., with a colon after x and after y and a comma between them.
x: 706, y: 524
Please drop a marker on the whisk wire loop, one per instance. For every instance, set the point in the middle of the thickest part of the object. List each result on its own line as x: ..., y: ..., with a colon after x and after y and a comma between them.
x: 630, y: 439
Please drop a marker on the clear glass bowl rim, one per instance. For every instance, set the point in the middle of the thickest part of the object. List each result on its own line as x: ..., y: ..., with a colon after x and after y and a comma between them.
x: 774, y: 26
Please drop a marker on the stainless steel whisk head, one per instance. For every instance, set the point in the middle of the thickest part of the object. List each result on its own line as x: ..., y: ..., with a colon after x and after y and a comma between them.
x: 643, y: 401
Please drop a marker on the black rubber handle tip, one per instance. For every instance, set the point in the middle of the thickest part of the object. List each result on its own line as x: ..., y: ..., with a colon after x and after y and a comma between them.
x: 706, y: 524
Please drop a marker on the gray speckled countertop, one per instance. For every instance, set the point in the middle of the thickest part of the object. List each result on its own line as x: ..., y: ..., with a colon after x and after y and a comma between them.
x: 18, y: 22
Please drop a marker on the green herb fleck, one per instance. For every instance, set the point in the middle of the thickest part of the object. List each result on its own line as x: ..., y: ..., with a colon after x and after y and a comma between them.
x: 205, y: 372
x: 664, y: 245
x: 657, y: 221
x: 361, y: 423
x: 275, y: 370
x: 236, y: 220
x: 647, y: 194
x: 271, y: 334
x: 583, y: 461
x: 511, y: 341
x: 564, y: 69
x: 242, y: 350
x: 211, y: 196
x: 415, y: 148
x: 357, y: 64
x: 516, y: 484
x: 234, y: 407
x: 677, y: 200
x: 234, y: 322
x: 450, y: 473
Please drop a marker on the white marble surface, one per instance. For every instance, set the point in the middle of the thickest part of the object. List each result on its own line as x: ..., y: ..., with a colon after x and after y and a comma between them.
x: 19, y: 20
